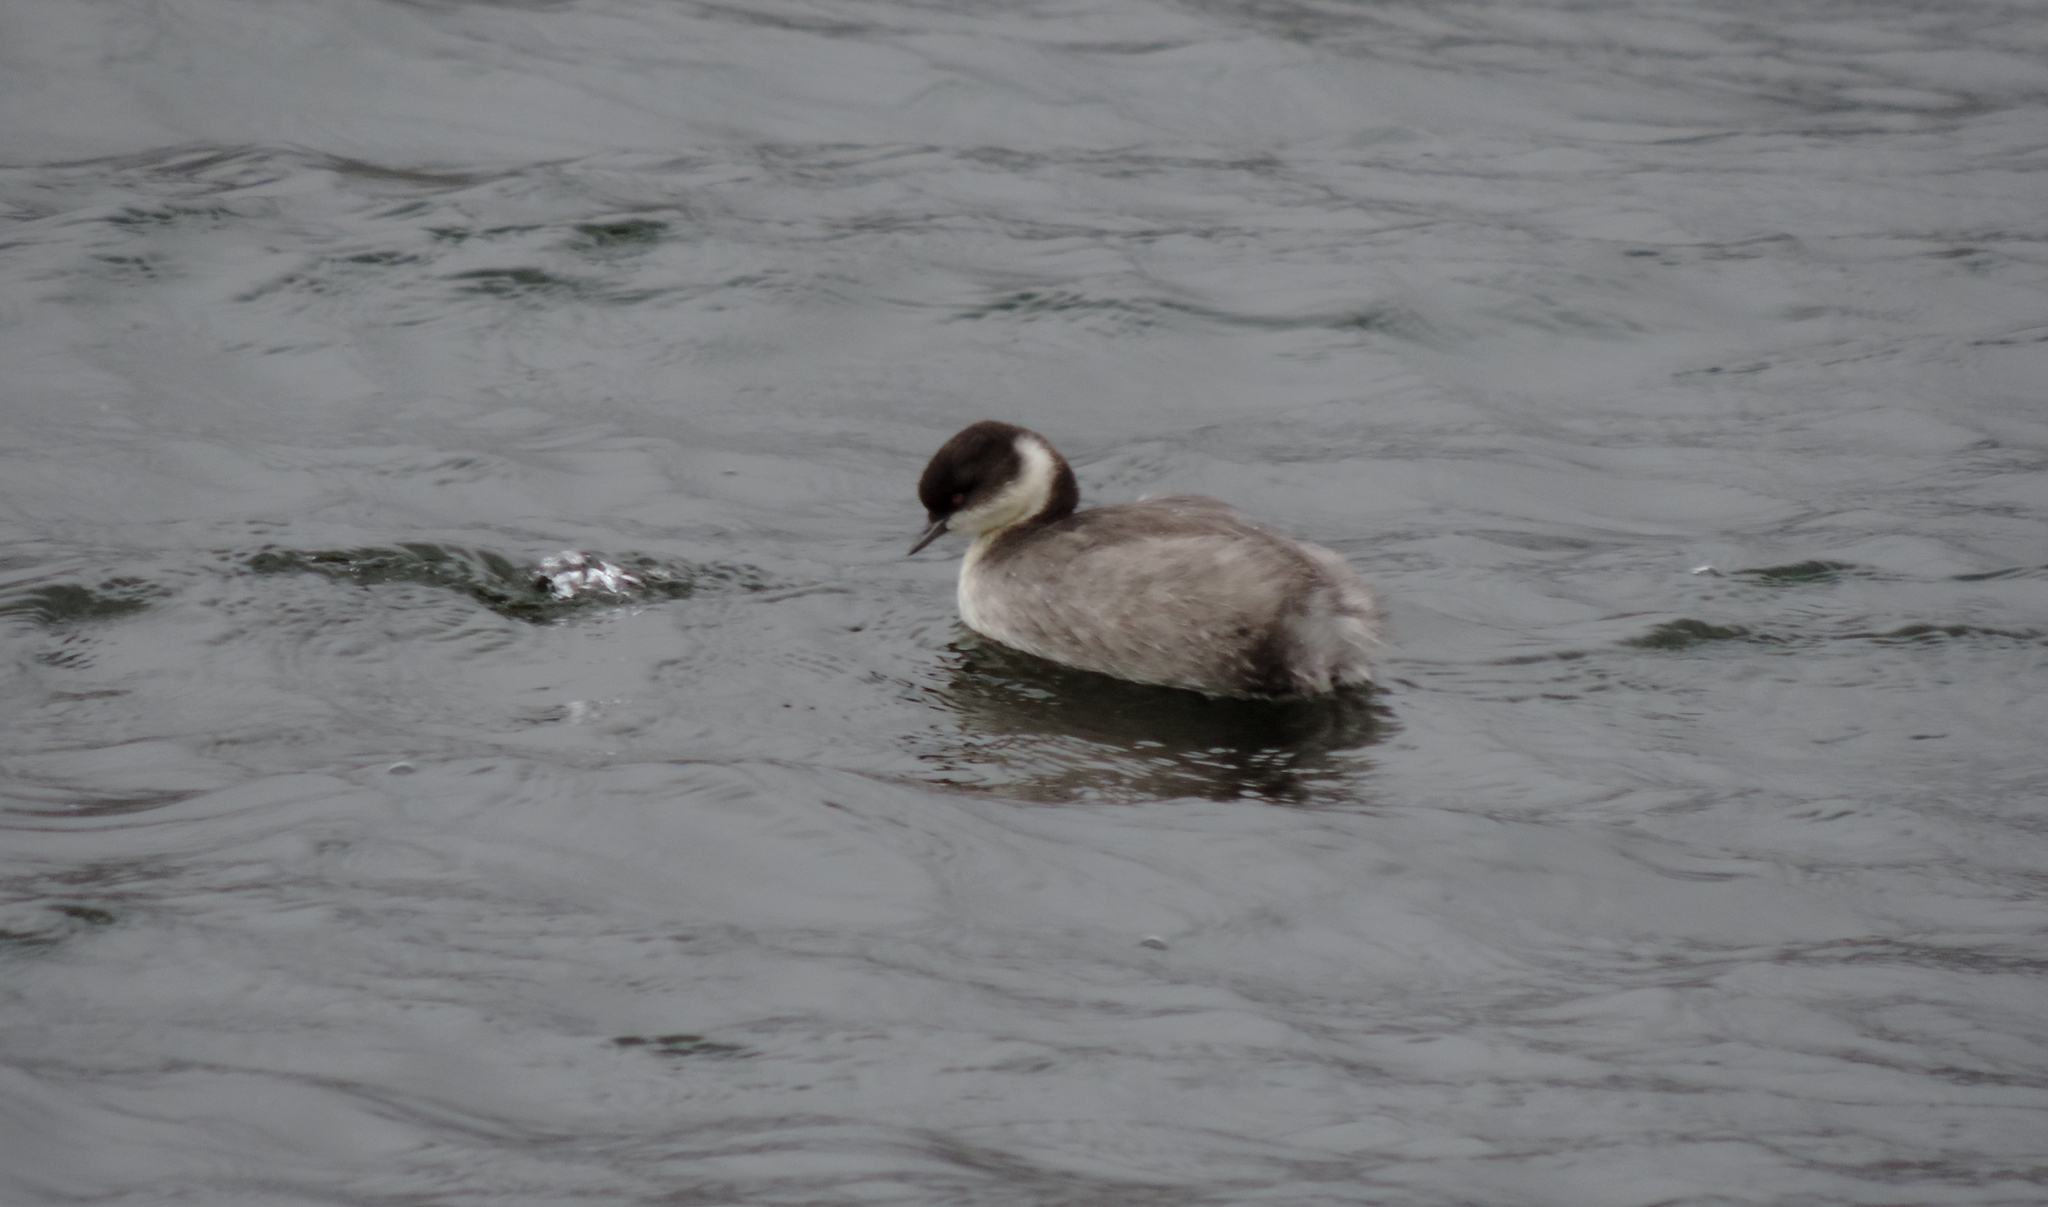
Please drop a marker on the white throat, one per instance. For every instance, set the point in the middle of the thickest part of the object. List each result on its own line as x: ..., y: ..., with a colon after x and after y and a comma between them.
x: 1025, y: 496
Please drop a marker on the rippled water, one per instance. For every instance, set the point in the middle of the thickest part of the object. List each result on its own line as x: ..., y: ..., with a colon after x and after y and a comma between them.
x: 1675, y: 370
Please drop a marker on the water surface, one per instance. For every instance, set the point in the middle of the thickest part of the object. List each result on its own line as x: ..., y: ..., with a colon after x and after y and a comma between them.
x: 1674, y: 370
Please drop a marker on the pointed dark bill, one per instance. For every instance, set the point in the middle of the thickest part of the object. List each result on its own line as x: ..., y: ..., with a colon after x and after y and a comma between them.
x: 937, y: 530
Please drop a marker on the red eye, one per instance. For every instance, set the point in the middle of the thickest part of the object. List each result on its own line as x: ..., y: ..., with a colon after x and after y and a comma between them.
x: 959, y: 499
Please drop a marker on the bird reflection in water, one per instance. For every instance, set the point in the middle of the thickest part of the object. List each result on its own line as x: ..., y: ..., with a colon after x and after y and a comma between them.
x: 1042, y: 731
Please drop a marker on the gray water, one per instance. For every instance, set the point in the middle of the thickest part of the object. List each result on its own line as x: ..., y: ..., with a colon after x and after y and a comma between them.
x: 1675, y: 371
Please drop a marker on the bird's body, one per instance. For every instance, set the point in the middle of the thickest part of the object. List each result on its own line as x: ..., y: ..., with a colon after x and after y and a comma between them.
x: 1178, y: 591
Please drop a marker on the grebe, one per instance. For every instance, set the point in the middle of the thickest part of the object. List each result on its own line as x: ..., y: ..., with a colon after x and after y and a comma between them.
x: 1179, y: 591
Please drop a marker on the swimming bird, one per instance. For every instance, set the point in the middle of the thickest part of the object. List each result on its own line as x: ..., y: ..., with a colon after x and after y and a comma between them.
x: 1179, y: 591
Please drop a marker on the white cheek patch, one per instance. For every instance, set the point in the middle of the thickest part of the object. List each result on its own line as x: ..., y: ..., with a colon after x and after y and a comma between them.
x: 1023, y: 498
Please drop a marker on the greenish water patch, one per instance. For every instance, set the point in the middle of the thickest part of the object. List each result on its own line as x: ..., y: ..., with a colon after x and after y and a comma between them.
x: 136, y: 216
x: 26, y: 928
x: 458, y: 235
x: 1925, y: 955
x: 381, y: 258
x: 528, y: 284
x: 1531, y: 659
x: 515, y: 282
x: 536, y: 594
x: 1928, y: 633
x: 410, y: 176
x: 681, y: 1045
x: 1031, y: 302
x: 71, y: 603
x: 634, y: 232
x: 2009, y: 572
x: 1684, y: 634
x: 130, y: 267
x: 331, y: 275
x: 1144, y: 312
x: 1797, y: 573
